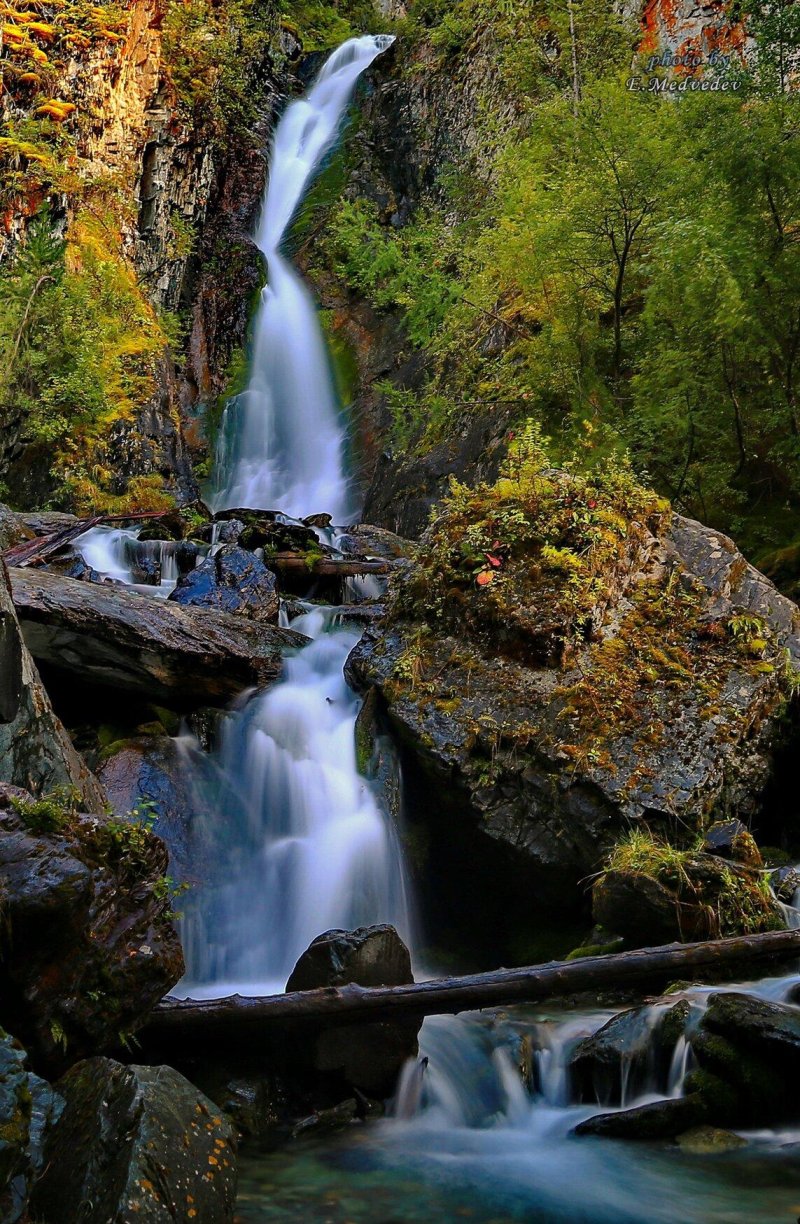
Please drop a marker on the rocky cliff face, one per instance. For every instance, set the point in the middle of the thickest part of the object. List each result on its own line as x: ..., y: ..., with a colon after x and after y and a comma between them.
x: 149, y: 159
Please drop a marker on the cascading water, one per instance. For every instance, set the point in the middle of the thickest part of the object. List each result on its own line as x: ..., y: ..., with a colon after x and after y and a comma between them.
x: 281, y: 442
x: 305, y: 846
x: 312, y: 849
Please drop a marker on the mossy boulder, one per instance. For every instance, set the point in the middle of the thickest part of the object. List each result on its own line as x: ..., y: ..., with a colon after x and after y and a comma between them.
x: 565, y: 657
x: 87, y: 942
x: 630, y: 1054
x: 654, y: 893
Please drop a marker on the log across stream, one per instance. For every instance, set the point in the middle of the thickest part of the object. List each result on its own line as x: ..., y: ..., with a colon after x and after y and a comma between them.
x: 449, y: 996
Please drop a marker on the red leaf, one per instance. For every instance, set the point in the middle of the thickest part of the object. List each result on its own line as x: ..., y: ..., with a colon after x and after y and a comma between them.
x: 494, y: 561
x: 484, y: 578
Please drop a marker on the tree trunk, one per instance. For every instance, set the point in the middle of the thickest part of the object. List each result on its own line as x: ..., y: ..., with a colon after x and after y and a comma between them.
x: 351, y: 1004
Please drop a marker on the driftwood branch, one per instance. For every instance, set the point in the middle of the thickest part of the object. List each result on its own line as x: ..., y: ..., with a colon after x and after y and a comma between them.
x: 332, y: 567
x: 439, y: 996
x: 36, y: 551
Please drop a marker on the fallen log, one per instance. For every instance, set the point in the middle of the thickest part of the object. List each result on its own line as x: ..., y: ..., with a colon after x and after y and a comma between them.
x: 328, y: 567
x: 124, y: 640
x: 448, y: 996
x: 36, y: 551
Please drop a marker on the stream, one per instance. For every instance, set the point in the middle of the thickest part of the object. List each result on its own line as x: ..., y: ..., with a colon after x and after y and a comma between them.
x: 481, y: 1131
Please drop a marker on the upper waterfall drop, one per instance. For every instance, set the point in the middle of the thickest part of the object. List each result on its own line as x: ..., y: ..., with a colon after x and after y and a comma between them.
x: 281, y: 442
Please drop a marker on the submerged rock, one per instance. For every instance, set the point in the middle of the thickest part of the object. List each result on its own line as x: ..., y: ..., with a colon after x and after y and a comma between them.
x: 706, y: 1140
x: 87, y: 944
x: 657, y: 1120
x: 232, y: 580
x: 28, y: 1108
x: 368, y: 1057
x: 35, y: 751
x: 137, y: 1143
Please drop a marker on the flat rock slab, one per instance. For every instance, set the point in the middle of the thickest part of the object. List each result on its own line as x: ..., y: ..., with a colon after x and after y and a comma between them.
x: 129, y: 641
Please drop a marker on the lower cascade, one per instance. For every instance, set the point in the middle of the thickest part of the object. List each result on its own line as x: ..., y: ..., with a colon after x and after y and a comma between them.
x: 304, y: 846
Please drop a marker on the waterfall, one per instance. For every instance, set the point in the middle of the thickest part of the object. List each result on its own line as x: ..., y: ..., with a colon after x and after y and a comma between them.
x: 280, y: 444
x: 304, y: 846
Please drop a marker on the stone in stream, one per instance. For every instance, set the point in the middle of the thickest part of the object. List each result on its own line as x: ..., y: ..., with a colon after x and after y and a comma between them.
x: 87, y: 944
x: 729, y: 839
x: 232, y: 580
x: 35, y: 750
x: 656, y: 1120
x: 368, y: 1057
x: 28, y: 1108
x: 631, y: 1053
x: 706, y: 1140
x: 136, y: 1143
x: 753, y: 1047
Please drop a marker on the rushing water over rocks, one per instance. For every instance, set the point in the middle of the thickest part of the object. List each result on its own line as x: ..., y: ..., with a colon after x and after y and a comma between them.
x: 307, y: 846
x: 281, y: 441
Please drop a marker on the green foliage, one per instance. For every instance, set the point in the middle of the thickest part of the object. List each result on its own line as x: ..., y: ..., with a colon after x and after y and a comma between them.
x: 53, y: 813
x: 628, y: 260
x: 77, y: 346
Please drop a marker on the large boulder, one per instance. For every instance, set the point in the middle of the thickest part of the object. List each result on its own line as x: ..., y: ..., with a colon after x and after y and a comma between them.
x: 35, y: 751
x: 232, y: 580
x: 28, y: 1108
x: 368, y: 1057
x: 87, y: 943
x: 753, y: 1047
x: 128, y: 642
x: 136, y: 1143
x: 565, y: 657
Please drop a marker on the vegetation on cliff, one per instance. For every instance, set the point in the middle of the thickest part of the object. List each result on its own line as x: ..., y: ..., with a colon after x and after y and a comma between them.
x: 601, y: 254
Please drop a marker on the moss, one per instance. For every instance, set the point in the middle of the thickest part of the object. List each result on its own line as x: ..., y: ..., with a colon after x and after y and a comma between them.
x: 53, y: 813
x: 598, y: 949
x: 732, y: 899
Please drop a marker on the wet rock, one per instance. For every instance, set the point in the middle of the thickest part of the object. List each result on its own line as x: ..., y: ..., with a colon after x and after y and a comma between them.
x: 35, y: 750
x: 125, y: 640
x: 146, y: 566
x: 784, y: 882
x: 510, y: 737
x: 658, y: 1120
x: 318, y: 520
x: 157, y: 770
x: 637, y: 906
x: 232, y: 580
x: 88, y: 945
x: 367, y: 540
x: 368, y: 956
x: 630, y: 1054
x: 706, y: 1140
x: 70, y: 564
x: 730, y: 839
x: 366, y: 1057
x: 137, y: 1143
x: 278, y: 537
x: 29, y: 1107
x: 225, y: 531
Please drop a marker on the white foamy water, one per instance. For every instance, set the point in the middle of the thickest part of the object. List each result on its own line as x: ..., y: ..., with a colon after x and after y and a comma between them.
x: 281, y: 441
x: 307, y: 847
